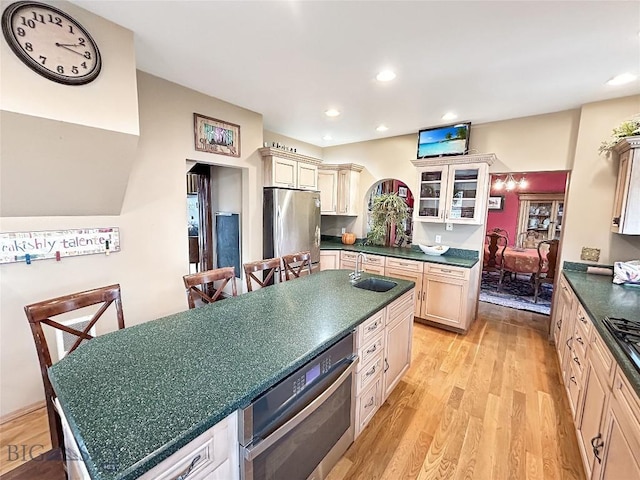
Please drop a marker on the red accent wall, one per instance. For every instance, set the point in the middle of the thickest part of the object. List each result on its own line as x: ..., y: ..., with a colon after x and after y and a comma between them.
x: 538, y: 182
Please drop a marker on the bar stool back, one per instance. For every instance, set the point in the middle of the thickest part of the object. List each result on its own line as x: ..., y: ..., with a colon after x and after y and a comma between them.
x: 41, y: 313
x: 202, y: 291
x: 271, y: 265
x: 296, y: 264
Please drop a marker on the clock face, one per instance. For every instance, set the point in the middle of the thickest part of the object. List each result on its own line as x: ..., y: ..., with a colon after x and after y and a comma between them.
x: 51, y: 42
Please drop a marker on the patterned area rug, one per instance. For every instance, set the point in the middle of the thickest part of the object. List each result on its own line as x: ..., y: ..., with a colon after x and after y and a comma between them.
x: 515, y: 293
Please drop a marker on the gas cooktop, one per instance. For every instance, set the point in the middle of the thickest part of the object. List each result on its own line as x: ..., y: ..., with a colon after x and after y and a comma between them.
x: 627, y: 334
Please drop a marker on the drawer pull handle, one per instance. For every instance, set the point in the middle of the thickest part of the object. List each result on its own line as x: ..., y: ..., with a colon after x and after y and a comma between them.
x: 445, y: 271
x: 373, y: 326
x: 579, y: 340
x: 370, y: 372
x: 568, y: 340
x: 370, y: 403
x: 559, y: 324
x: 189, y: 469
x: 386, y: 365
x: 573, y: 379
x: 575, y: 359
x: 583, y: 320
x: 372, y: 349
x: 597, y: 444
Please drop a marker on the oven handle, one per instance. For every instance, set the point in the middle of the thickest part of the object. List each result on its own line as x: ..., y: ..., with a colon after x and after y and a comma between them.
x: 251, y: 452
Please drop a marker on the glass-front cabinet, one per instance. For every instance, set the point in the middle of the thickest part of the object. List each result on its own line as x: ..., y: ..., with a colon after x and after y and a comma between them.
x: 541, y: 213
x: 452, y: 193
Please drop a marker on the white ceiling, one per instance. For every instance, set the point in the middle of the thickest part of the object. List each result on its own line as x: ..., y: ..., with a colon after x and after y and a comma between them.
x: 292, y: 60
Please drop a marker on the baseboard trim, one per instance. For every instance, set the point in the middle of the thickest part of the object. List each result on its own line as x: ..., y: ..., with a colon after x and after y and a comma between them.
x: 21, y: 412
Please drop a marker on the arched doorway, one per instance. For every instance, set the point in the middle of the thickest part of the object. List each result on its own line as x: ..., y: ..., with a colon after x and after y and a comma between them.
x: 391, y: 185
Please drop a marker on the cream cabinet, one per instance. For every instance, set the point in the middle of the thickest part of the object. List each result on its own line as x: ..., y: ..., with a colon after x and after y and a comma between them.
x: 626, y: 206
x: 370, y: 264
x: 329, y: 259
x: 339, y: 189
x: 605, y: 408
x: 411, y: 270
x: 289, y: 170
x: 384, y: 344
x: 454, y: 192
x: 449, y: 295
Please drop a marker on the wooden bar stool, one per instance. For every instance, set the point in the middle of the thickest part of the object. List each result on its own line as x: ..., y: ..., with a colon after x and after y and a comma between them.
x: 41, y: 312
x: 200, y: 288
x: 296, y: 264
x: 271, y: 265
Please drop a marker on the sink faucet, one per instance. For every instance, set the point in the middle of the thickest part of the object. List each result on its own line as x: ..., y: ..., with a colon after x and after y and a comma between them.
x: 355, y: 275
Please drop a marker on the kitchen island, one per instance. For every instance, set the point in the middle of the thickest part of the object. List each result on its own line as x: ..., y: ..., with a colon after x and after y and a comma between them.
x: 134, y: 397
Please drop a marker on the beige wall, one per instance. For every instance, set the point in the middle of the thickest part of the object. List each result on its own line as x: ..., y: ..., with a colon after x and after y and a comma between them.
x: 592, y: 186
x: 110, y: 102
x: 152, y: 225
x: 301, y: 147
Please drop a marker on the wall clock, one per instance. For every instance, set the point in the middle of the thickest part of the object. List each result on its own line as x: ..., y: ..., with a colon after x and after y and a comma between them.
x: 51, y: 42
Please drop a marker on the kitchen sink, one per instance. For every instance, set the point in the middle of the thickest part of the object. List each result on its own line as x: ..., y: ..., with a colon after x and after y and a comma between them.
x: 375, y: 285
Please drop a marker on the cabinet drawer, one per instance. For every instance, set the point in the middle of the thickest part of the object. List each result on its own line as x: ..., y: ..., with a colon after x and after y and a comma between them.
x: 601, y: 358
x: 376, y: 269
x: 578, y: 361
x: 371, y: 327
x: 349, y: 256
x: 369, y: 373
x: 400, y: 306
x: 452, y: 272
x: 199, y: 457
x: 370, y: 350
x: 574, y: 388
x: 410, y: 265
x: 580, y: 340
x: 583, y: 322
x: 627, y: 396
x: 374, y: 260
x: 367, y: 404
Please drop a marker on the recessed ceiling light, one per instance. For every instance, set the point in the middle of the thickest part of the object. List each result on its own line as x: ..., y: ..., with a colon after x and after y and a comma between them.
x: 327, y: 137
x: 385, y: 76
x: 449, y: 116
x: 332, y: 112
x: 622, y: 79
x: 382, y: 128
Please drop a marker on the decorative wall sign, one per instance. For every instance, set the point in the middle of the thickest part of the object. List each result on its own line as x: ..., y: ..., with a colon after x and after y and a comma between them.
x: 27, y: 246
x: 216, y: 136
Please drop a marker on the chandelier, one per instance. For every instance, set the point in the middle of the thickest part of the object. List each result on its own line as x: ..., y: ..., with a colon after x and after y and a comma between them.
x: 510, y: 183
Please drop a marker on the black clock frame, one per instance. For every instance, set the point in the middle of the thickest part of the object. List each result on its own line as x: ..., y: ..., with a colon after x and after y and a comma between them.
x: 14, y: 44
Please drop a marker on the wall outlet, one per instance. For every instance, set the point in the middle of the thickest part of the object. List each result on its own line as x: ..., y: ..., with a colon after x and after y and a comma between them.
x: 438, y: 238
x: 344, y: 230
x: 449, y: 227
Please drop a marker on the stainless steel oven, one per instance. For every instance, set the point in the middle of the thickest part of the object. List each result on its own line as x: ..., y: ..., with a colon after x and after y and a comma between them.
x: 301, y: 427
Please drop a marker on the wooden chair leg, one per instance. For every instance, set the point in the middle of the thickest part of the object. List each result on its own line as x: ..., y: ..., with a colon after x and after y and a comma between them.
x: 536, y: 290
x: 500, y: 280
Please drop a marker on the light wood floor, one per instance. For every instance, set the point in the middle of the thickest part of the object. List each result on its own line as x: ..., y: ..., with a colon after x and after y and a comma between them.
x: 23, y: 438
x: 483, y: 406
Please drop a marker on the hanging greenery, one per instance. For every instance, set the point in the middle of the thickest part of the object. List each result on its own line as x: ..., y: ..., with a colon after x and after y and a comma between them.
x: 388, y: 209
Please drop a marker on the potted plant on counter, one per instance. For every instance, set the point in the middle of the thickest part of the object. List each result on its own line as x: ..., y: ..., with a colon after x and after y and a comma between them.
x: 388, y: 211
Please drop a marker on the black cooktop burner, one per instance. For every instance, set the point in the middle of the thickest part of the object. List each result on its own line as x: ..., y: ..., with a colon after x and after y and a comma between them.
x: 627, y: 334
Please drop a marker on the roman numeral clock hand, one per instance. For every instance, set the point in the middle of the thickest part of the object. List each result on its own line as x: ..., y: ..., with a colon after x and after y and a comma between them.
x: 67, y: 45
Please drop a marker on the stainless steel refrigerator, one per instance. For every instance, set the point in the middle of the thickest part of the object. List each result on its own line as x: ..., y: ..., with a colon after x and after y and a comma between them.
x: 291, y: 222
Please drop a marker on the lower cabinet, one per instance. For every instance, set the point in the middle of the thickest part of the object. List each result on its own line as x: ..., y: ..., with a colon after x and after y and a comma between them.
x: 384, y: 346
x: 329, y: 259
x: 370, y: 264
x: 605, y: 407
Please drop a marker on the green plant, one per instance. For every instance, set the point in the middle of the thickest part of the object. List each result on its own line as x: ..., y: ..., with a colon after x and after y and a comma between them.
x: 388, y: 209
x: 628, y: 128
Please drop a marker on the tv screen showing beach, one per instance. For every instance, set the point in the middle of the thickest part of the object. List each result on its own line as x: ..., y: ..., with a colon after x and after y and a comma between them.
x: 440, y: 141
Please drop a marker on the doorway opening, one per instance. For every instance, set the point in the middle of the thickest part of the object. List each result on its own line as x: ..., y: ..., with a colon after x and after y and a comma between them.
x: 400, y: 188
x: 214, y: 205
x: 523, y: 239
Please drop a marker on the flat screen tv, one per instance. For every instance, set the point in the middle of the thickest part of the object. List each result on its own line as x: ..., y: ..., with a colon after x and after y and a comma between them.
x: 444, y: 141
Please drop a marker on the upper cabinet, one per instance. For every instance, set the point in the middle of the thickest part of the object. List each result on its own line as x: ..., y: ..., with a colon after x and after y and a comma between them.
x: 626, y: 207
x: 338, y: 185
x: 289, y: 170
x: 453, y: 189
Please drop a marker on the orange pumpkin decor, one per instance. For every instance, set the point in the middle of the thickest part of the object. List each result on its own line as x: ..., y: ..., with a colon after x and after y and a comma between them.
x: 348, y: 238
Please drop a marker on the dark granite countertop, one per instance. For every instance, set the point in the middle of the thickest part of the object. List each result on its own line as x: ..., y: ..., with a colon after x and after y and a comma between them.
x: 459, y: 258
x: 600, y: 297
x: 135, y: 396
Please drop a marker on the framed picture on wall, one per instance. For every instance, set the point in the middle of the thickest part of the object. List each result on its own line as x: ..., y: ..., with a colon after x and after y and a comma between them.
x: 496, y: 203
x: 216, y: 136
x: 402, y: 192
